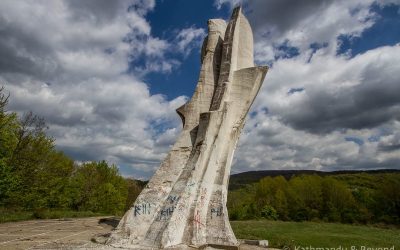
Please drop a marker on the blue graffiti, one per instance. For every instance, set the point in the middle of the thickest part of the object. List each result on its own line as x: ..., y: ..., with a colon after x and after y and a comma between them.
x: 141, y: 209
x: 217, y: 212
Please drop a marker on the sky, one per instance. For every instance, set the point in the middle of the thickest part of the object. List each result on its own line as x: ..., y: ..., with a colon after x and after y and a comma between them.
x: 107, y: 77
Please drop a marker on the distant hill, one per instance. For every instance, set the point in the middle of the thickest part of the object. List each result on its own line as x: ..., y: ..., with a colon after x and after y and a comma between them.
x: 242, y: 179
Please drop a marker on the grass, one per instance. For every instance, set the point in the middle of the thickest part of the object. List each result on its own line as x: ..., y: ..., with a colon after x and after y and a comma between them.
x: 7, y: 215
x: 299, y: 235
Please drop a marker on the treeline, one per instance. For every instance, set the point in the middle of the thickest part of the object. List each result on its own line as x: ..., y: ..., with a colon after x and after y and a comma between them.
x: 347, y: 198
x: 35, y: 176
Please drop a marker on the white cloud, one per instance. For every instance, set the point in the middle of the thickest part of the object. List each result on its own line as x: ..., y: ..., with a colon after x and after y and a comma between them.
x: 68, y: 61
x: 339, y: 92
x: 189, y: 38
x: 316, y: 107
x: 267, y: 143
x: 232, y: 3
x: 302, y: 23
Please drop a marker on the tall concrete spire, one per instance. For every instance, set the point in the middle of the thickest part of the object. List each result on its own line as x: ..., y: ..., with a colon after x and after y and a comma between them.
x: 184, y: 203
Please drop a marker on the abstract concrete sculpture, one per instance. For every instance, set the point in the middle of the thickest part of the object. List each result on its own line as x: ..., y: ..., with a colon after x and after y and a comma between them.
x: 184, y: 203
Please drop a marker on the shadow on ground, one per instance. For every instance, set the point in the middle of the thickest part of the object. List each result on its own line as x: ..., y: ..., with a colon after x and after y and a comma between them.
x: 111, y: 221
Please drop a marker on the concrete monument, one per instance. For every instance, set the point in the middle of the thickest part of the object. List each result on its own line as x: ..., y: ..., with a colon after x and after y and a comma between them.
x: 184, y: 203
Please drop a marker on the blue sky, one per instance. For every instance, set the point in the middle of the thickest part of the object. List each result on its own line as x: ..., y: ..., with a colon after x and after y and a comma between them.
x: 385, y: 31
x: 167, y: 18
x: 108, y: 75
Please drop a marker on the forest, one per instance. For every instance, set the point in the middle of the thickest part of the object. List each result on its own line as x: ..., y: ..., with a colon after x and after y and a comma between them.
x: 347, y: 198
x: 36, y: 177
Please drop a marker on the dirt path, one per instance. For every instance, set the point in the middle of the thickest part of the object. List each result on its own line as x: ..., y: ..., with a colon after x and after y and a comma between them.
x: 58, y: 234
x: 50, y: 234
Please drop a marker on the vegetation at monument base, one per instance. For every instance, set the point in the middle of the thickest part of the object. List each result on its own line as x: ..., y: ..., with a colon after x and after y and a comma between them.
x: 36, y: 180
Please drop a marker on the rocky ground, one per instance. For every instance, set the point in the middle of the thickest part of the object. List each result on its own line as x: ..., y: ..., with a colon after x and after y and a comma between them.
x: 61, y: 234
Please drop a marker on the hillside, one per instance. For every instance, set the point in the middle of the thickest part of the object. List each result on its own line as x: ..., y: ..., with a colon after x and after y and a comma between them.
x: 242, y: 179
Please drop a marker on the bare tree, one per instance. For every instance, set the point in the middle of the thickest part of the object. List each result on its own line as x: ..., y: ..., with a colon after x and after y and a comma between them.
x: 3, y: 100
x: 3, y: 104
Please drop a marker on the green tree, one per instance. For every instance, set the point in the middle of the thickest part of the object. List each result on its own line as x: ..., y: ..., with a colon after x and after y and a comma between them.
x: 281, y: 204
x: 8, y: 140
x: 241, y: 204
x: 387, y: 197
x: 339, y: 203
x: 99, y: 188
x: 134, y: 189
x: 30, y: 160
x: 269, y: 212
x: 306, y: 194
x: 35, y: 176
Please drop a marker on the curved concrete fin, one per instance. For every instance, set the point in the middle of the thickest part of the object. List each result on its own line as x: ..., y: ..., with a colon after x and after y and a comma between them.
x: 244, y: 49
x: 203, y: 49
x: 212, y: 207
x: 209, y: 73
x: 237, y: 53
x: 245, y: 86
x: 187, y: 222
x: 181, y: 113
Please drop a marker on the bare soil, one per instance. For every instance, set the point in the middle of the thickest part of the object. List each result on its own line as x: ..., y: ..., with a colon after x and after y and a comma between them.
x: 61, y: 234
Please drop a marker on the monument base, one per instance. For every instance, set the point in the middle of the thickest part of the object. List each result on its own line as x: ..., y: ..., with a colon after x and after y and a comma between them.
x: 102, y: 238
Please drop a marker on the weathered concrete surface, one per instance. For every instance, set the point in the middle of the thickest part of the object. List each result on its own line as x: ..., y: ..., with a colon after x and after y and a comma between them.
x: 60, y: 234
x: 184, y: 203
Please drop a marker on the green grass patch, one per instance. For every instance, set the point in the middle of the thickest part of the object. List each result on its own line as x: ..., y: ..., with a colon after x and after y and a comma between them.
x: 7, y: 215
x: 298, y: 235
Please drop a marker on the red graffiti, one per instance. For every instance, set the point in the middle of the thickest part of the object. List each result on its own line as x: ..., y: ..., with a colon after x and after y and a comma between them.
x: 197, y: 219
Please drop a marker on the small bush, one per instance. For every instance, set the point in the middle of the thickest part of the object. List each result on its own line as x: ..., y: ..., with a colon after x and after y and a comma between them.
x: 268, y: 212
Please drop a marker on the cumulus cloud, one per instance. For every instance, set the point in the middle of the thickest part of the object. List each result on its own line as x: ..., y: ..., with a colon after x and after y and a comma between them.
x: 189, y: 38
x: 339, y: 92
x: 70, y: 62
x: 267, y: 143
x: 301, y: 24
x: 319, y: 109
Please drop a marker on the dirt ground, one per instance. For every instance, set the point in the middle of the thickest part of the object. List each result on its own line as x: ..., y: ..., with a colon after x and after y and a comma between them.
x: 50, y: 234
x: 59, y: 234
